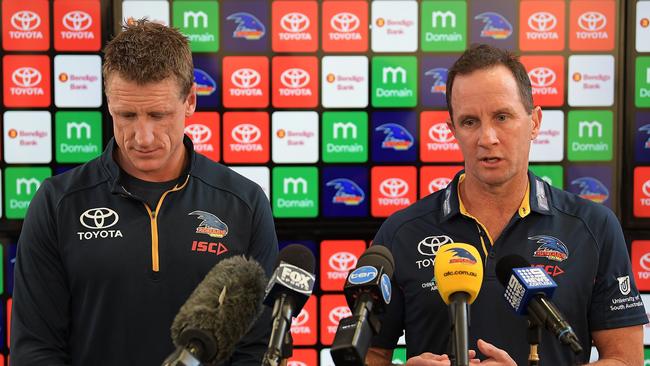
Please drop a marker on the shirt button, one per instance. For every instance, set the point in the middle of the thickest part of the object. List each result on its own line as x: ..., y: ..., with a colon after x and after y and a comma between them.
x: 491, y: 255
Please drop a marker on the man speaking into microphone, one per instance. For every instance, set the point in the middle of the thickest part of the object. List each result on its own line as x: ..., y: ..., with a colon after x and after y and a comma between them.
x: 501, y: 208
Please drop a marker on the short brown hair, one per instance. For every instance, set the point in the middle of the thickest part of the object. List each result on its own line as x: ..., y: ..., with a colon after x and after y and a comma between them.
x: 146, y: 52
x: 483, y: 56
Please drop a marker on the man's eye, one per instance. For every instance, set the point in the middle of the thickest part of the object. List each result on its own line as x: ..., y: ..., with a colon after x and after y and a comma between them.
x: 502, y: 118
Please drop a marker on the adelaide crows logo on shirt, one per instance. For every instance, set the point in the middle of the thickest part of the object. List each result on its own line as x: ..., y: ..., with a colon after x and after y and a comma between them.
x: 551, y: 248
x: 211, y: 224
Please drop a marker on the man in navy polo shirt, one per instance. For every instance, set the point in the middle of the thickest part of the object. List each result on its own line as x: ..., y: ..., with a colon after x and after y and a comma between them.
x: 500, y: 207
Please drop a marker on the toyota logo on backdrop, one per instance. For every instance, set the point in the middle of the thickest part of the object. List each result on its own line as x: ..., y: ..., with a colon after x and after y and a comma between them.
x: 296, y: 363
x: 25, y: 20
x: 430, y: 245
x: 246, y: 78
x: 294, y: 78
x: 339, y: 313
x: 301, y: 319
x: 345, y: 22
x: 646, y: 188
x: 294, y: 22
x: 394, y: 187
x: 77, y: 21
x: 99, y: 218
x: 440, y: 133
x: 342, y: 261
x: 198, y: 133
x: 26, y: 77
x: 644, y: 262
x: 592, y: 21
x: 438, y: 184
x: 542, y: 21
x: 246, y: 133
x: 541, y: 77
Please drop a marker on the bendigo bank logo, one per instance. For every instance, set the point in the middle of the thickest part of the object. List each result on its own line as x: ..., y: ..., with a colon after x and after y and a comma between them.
x: 210, y: 224
x: 99, y: 220
x: 347, y: 193
x: 248, y: 26
x: 495, y: 25
x: 397, y: 137
x: 591, y: 189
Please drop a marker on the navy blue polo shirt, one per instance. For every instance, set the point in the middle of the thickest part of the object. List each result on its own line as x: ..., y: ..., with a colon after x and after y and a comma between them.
x: 578, y: 242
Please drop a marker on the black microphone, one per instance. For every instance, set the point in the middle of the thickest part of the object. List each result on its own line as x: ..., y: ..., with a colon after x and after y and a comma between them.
x: 367, y: 291
x: 218, y: 313
x: 528, y: 290
x: 287, y: 292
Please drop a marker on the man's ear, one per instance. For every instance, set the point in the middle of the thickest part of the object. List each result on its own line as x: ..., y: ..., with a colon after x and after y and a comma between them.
x: 190, y: 101
x: 536, y: 121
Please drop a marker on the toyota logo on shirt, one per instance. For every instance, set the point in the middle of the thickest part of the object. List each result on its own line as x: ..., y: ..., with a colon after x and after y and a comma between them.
x: 592, y: 21
x: 198, y: 133
x: 294, y: 22
x: 430, y: 245
x: 294, y: 78
x: 394, y: 187
x: 345, y: 22
x: 440, y: 133
x: 246, y: 78
x: 246, y: 133
x: 342, y: 261
x: 77, y: 21
x: 26, y: 77
x: 542, y: 21
x: 541, y: 77
x: 301, y: 319
x: 25, y: 20
x: 99, y: 218
x: 339, y: 313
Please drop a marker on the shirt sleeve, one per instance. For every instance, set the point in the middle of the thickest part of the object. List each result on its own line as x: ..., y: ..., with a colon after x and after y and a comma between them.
x: 40, y: 318
x: 392, y: 321
x: 264, y: 249
x: 615, y: 301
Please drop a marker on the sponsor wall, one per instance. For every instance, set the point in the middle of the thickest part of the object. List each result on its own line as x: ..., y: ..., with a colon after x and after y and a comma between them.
x: 337, y: 109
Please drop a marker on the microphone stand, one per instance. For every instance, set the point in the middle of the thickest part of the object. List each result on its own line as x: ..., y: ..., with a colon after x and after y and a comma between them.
x: 534, y: 334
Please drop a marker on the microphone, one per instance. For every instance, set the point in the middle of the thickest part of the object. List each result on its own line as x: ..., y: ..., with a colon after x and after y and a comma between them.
x: 287, y: 292
x: 528, y: 292
x: 367, y: 291
x: 458, y: 272
x: 218, y: 313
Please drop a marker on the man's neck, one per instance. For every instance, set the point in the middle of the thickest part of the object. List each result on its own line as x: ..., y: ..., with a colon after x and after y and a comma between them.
x: 504, y: 199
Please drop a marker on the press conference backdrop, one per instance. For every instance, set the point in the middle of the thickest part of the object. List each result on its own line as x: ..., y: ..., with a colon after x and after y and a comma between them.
x: 337, y: 109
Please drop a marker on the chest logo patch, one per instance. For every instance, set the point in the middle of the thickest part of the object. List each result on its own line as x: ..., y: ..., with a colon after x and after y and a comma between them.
x: 551, y: 248
x: 210, y: 224
x: 624, y: 285
x: 430, y: 245
x: 99, y: 220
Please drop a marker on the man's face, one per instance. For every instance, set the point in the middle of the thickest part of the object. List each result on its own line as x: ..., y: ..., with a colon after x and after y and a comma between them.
x: 492, y: 127
x: 148, y: 124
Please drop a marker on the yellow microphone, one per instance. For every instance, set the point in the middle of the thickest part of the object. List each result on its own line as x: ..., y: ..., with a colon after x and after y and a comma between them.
x: 459, y: 274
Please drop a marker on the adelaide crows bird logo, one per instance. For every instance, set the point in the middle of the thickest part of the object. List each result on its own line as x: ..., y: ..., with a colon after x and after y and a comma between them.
x: 591, y: 189
x: 248, y: 26
x: 439, y: 75
x: 552, y: 248
x: 348, y: 192
x: 211, y: 225
x: 496, y: 26
x: 397, y: 137
x: 462, y: 256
